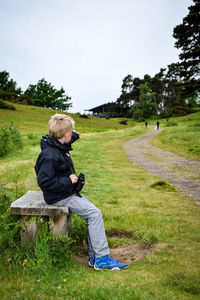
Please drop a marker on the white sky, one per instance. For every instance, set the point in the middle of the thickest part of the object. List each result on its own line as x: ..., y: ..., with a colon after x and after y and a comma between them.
x: 87, y: 46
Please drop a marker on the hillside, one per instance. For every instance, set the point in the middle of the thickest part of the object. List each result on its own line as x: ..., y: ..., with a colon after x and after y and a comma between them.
x: 141, y: 213
x: 34, y: 119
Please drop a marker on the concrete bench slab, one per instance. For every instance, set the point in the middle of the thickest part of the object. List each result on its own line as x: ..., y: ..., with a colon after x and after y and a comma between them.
x: 32, y: 204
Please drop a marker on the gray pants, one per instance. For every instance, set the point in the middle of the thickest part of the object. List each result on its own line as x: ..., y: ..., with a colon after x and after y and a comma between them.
x: 81, y: 206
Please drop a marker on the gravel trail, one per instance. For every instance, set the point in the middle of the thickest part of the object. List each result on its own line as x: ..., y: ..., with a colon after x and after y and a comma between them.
x: 180, y: 172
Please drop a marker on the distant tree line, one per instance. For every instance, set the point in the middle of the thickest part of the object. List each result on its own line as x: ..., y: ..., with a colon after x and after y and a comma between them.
x: 174, y: 90
x: 42, y: 94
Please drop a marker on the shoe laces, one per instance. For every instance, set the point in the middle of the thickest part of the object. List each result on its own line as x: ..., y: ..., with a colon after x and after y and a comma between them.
x: 109, y: 259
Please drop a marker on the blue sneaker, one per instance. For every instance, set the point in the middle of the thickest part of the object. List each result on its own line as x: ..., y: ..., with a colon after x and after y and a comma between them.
x: 91, y: 262
x: 107, y: 262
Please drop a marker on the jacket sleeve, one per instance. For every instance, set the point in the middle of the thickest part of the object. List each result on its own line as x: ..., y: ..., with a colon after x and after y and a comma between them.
x: 48, y: 181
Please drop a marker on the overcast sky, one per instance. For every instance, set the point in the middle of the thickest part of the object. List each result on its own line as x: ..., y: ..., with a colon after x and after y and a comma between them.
x: 87, y: 46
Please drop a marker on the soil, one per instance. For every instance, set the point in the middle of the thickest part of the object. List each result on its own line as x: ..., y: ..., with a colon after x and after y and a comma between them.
x: 126, y: 255
x: 181, y: 172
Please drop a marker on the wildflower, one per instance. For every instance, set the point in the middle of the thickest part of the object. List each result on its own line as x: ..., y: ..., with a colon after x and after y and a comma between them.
x: 9, y: 259
x: 65, y: 280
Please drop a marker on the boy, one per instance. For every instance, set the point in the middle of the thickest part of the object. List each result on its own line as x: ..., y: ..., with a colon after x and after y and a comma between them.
x: 56, y: 178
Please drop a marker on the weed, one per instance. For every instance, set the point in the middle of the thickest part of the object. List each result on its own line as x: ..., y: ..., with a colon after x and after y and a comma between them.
x: 30, y: 136
x: 9, y: 226
x: 162, y: 185
x: 49, y: 251
x: 79, y: 232
x: 114, y: 202
x: 194, y: 149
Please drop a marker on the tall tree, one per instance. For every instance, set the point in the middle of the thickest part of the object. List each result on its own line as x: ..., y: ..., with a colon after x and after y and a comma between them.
x: 8, y: 85
x: 44, y: 94
x: 174, y: 87
x: 187, y: 35
x: 147, y: 106
x: 158, y: 84
x: 130, y: 92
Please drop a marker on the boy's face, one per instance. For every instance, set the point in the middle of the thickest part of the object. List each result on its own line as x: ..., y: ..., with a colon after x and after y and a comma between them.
x: 68, y: 136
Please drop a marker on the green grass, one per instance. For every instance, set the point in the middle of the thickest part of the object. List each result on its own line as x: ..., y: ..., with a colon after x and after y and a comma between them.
x: 134, y: 203
x: 182, y: 139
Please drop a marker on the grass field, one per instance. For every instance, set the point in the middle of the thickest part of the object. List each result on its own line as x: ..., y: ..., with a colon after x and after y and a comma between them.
x: 182, y: 136
x: 129, y: 203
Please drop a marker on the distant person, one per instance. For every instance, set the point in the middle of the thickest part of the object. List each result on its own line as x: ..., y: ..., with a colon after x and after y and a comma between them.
x: 146, y: 123
x: 154, y: 124
x: 60, y: 186
x: 158, y: 125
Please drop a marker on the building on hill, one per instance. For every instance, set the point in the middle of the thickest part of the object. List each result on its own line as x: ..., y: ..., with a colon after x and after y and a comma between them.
x: 111, y: 110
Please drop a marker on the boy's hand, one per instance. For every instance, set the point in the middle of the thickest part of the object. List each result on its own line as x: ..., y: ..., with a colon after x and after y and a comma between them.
x: 73, y: 178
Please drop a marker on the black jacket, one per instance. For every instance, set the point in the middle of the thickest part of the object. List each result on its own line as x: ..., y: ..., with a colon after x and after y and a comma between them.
x: 53, y: 167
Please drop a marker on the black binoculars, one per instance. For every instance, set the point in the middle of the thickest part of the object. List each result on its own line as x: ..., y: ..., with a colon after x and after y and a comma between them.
x: 79, y: 185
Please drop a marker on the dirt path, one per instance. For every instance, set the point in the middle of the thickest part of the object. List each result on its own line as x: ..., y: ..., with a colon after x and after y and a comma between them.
x: 180, y: 172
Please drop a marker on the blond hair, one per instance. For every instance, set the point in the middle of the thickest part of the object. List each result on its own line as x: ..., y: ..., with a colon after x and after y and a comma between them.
x: 59, y: 124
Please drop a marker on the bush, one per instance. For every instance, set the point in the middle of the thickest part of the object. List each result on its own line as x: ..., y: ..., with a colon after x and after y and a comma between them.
x: 12, y: 97
x: 9, y: 96
x: 10, y: 139
x: 176, y: 111
x: 123, y: 122
x: 84, y: 116
x: 24, y: 99
x: 171, y: 123
x: 4, y: 105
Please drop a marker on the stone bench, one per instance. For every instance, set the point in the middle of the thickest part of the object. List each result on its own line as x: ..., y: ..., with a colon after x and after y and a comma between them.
x: 32, y: 204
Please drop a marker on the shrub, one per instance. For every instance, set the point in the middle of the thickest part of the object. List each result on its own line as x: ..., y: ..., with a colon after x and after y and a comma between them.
x: 123, y: 122
x: 176, y: 111
x: 13, y: 97
x: 15, y: 137
x: 84, y: 116
x: 24, y: 99
x: 5, y: 105
x: 10, y: 139
x: 162, y: 185
x: 9, y: 96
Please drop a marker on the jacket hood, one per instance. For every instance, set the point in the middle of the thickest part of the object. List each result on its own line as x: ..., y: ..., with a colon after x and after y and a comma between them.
x: 48, y: 140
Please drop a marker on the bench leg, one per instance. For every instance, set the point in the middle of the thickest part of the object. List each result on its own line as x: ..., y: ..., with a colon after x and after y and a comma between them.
x: 69, y: 222
x: 59, y: 225
x: 28, y: 231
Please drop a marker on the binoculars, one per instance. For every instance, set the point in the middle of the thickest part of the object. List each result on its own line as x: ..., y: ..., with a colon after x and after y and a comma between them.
x: 79, y: 185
